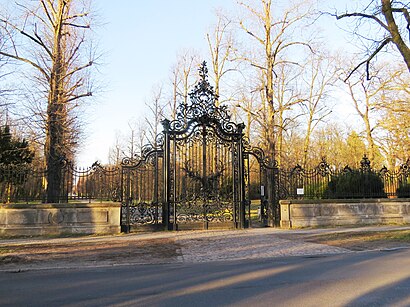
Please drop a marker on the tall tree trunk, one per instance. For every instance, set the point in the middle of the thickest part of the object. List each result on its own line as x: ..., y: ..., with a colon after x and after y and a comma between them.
x: 56, y: 115
x: 269, y: 81
x: 395, y: 32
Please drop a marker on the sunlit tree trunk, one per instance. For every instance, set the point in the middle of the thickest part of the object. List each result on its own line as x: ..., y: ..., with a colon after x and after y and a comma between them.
x: 57, y: 34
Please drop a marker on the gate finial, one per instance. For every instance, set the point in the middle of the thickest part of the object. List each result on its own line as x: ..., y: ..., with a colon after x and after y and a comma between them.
x: 203, y: 71
x: 203, y: 95
x: 202, y: 108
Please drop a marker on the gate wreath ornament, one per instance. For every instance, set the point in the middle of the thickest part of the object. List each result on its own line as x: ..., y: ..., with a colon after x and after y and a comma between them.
x: 197, y: 172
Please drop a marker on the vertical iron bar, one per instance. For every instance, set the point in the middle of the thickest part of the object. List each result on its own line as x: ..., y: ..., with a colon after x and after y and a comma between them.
x: 234, y: 188
x: 262, y: 183
x: 204, y: 179
x: 248, y: 187
x: 241, y: 177
x: 166, y: 168
x: 174, y: 187
x: 156, y: 188
x: 128, y: 200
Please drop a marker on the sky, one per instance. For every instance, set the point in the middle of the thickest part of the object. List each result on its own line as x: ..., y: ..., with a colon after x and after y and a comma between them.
x: 140, y: 41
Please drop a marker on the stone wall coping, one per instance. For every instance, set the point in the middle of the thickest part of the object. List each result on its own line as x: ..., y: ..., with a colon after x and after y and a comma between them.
x: 61, y: 205
x: 337, y: 212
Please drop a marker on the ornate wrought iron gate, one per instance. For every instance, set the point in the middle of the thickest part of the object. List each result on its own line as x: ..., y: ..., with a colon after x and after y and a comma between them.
x: 205, y: 167
x: 195, y: 173
x: 142, y: 195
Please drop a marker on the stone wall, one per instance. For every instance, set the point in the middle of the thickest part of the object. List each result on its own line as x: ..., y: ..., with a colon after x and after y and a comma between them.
x: 56, y: 219
x: 338, y: 212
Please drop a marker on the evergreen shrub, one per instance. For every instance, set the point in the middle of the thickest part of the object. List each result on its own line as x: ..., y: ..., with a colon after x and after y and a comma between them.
x: 355, y: 184
x: 403, y: 191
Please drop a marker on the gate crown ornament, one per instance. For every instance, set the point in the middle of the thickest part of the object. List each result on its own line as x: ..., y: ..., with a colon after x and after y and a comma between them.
x: 202, y: 108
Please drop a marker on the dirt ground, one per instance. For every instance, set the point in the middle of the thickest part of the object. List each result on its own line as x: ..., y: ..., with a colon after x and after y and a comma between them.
x: 88, y: 253
x: 134, y: 249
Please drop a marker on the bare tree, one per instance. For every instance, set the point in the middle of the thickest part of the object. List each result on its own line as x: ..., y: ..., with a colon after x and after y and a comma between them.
x: 246, y: 102
x: 220, y: 44
x: 390, y: 22
x: 174, y: 100
x: 153, y: 120
x: 53, y: 40
x: 274, y: 36
x: 131, y: 149
x: 319, y: 74
x: 5, y: 89
x: 135, y: 139
x: 395, y: 137
x: 394, y: 105
x: 366, y: 97
x: 130, y: 144
x: 115, y: 154
x: 338, y: 144
x: 182, y: 79
x: 287, y: 95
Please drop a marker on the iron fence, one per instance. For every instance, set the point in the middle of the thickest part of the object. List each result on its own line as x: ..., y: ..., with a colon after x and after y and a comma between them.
x: 24, y: 183
x: 326, y: 182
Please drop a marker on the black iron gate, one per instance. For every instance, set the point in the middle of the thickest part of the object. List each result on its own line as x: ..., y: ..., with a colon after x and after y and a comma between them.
x: 262, y: 187
x: 205, y: 166
x: 195, y: 175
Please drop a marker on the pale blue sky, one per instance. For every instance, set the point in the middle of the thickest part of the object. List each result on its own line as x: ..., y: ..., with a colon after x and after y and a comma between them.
x: 141, y: 40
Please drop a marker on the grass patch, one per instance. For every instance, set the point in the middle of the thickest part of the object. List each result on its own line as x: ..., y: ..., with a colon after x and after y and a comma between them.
x: 5, y: 251
x: 363, y: 240
x: 255, y: 205
x: 394, y: 235
x: 400, y: 235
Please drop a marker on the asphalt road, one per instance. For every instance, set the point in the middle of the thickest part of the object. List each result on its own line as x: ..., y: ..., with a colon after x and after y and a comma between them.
x: 376, y: 278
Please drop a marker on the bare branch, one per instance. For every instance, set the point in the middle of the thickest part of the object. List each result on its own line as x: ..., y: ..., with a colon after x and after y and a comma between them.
x: 367, y: 61
x: 251, y: 34
x: 80, y: 96
x: 36, y: 39
x: 382, y: 9
x: 77, y: 26
x: 77, y: 69
x: 75, y: 16
x: 47, y: 13
x: 26, y: 61
x: 346, y: 15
